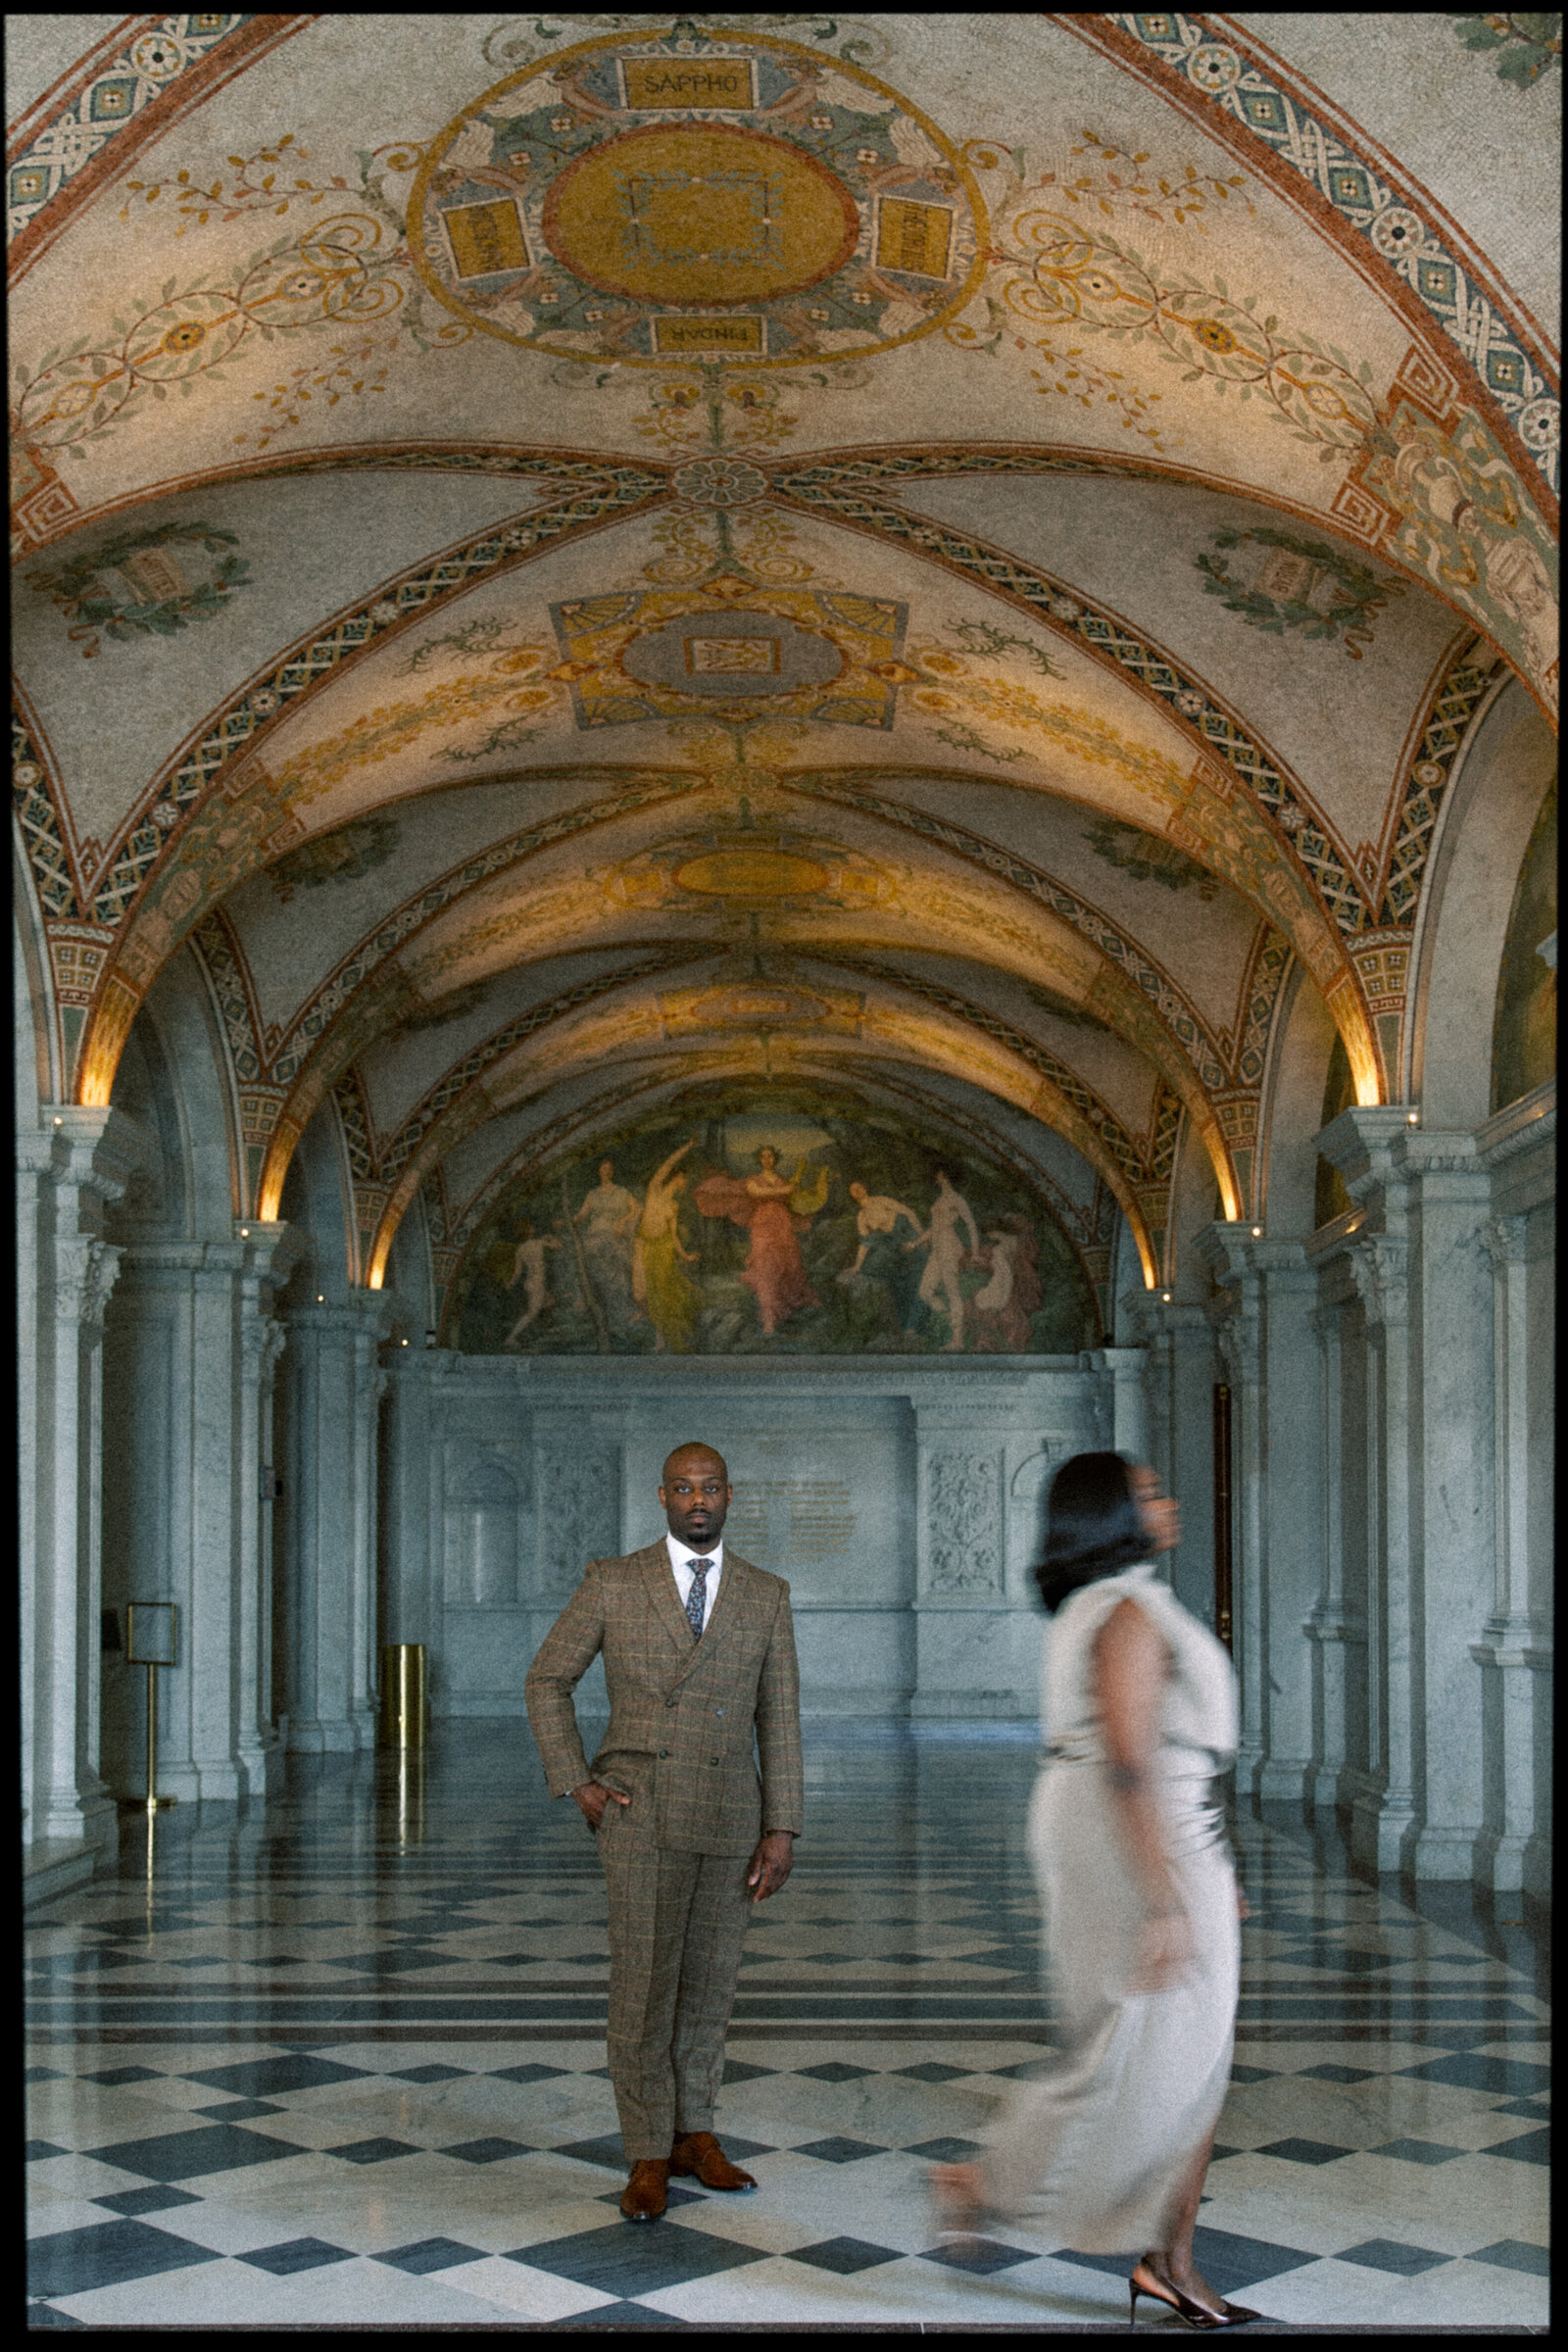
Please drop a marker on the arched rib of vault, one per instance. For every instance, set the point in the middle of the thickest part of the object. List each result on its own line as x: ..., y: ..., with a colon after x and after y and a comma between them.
x: 534, y: 1155
x: 377, y: 982
x: 174, y: 885
x: 921, y: 1023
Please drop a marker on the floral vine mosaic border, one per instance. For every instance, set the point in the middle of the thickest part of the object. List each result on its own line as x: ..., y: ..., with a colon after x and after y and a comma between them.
x: 1366, y: 201
x: 1180, y: 1017
x: 1096, y: 1115
x: 847, y: 490
x: 401, y: 1146
x: 148, y: 68
x: 609, y: 490
x: 356, y: 966
x: 1453, y: 706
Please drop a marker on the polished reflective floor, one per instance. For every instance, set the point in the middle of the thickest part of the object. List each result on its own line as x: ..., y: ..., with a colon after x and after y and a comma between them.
x: 339, y: 2061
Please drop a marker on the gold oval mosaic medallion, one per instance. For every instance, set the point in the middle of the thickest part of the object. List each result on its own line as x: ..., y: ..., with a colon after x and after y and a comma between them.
x: 751, y: 874
x: 709, y: 213
x: 675, y: 195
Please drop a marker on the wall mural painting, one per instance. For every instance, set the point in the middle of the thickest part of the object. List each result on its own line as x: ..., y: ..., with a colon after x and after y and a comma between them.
x: 1524, y: 1037
x: 753, y: 1224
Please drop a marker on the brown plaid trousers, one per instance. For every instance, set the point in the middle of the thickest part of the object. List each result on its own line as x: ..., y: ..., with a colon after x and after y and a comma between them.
x: 680, y: 1744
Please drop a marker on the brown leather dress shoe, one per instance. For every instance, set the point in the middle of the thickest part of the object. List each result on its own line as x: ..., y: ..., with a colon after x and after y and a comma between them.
x: 700, y: 2153
x: 642, y: 2198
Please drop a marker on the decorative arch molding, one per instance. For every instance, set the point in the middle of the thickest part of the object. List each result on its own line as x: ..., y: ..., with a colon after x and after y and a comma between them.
x: 1219, y: 72
x: 1052, y: 1093
x: 63, y: 151
x: 1496, y: 794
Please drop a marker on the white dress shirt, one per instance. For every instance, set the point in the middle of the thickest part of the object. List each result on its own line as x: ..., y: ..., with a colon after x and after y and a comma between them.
x: 681, y: 1556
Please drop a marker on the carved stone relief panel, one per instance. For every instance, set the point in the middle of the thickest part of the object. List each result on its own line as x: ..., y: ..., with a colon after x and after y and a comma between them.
x: 484, y: 1505
x: 963, y: 1503
x: 579, y: 1518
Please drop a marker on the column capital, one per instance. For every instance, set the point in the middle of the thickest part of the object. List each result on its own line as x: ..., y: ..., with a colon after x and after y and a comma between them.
x: 1507, y: 1241
x: 84, y: 1275
x: 1380, y: 1265
x: 95, y: 1149
x: 1240, y: 1253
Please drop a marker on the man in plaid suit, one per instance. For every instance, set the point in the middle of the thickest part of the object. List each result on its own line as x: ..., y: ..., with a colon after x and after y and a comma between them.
x: 699, y: 1653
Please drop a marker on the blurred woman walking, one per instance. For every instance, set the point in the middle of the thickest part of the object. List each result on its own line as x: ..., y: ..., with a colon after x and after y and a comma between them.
x: 1108, y: 2150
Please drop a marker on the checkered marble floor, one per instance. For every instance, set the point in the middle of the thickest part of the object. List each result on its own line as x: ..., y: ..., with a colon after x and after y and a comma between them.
x: 339, y: 2061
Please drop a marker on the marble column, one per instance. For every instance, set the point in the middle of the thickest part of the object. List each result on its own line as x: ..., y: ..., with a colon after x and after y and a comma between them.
x: 1128, y: 1415
x: 1515, y: 1649
x: 69, y: 1171
x: 1179, y: 1387
x: 1383, y: 1811
x: 190, y: 1344
x: 334, y: 1383
x: 411, y: 1593
x: 1264, y: 1333
x: 1335, y: 1628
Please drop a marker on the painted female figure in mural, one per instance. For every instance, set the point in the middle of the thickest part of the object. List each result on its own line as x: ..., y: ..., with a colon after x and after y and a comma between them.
x: 611, y: 1214
x: 1004, y: 1308
x: 777, y: 1209
x: 881, y: 1259
x: 951, y: 1217
x: 673, y: 1301
x: 528, y: 1266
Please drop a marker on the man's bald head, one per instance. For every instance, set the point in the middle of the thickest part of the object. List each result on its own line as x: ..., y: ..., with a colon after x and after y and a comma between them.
x: 695, y: 1451
x: 696, y: 1495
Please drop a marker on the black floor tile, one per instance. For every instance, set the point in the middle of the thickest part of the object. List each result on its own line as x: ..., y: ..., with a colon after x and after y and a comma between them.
x: 39, y: 2151
x: 737, y: 2070
x: 620, y: 2315
x: 843, y: 2256
x: 106, y: 2255
x: 606, y: 2150
x: 931, y: 2071
x: 527, y: 2074
x: 835, y: 2071
x: 187, y: 2155
x: 374, y: 2151
x: 427, y: 2074
x: 980, y: 2255
x: 274, y: 2078
x: 133, y: 2202
x: 298, y: 2254
x: 838, y: 2150
x: 1535, y: 2108
x: 945, y: 2151
x: 430, y: 2254
x: 240, y: 2111
x: 1337, y: 2074
x: 1418, y: 2151
x: 1470, y: 2071
x: 115, y: 2077
x: 1512, y: 2254
x: 1382, y: 2254
x: 1304, y: 2151
x: 487, y: 2151
x: 620, y: 2261
x: 1531, y: 2147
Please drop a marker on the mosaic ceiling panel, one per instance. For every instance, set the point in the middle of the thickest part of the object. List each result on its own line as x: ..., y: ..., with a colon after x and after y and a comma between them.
x: 613, y: 553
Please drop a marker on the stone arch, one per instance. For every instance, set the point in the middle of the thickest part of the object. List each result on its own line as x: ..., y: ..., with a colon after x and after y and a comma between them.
x: 1489, y: 815
x: 318, y: 1200
x: 1293, y: 1107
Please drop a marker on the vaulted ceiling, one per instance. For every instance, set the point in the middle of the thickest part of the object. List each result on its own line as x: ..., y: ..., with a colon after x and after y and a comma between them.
x: 565, y: 557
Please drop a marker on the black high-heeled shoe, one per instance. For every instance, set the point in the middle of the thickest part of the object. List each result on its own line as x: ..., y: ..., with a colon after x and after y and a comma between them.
x: 1190, y: 2314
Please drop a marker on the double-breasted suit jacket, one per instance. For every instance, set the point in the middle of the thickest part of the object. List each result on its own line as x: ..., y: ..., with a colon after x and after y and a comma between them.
x: 690, y: 1706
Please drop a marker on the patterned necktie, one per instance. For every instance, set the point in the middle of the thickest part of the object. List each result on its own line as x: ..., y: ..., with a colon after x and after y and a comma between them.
x: 697, y: 1597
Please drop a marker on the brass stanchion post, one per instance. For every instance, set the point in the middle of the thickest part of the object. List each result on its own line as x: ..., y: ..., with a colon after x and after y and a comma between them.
x: 152, y: 1628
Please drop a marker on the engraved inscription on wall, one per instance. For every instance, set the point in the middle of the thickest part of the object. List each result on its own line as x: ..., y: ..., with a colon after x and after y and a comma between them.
x: 791, y: 1523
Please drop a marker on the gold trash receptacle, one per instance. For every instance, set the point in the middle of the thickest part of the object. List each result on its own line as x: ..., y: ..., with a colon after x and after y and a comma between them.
x: 405, y: 1706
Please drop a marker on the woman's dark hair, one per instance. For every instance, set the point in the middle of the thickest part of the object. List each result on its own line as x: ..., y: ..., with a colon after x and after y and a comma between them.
x: 1094, y: 1524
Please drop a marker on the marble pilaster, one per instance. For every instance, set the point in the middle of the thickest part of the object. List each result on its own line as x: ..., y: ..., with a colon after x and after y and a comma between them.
x: 69, y: 1171
x: 334, y: 1383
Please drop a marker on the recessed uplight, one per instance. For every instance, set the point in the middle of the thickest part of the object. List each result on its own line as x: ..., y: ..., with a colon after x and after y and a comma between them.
x: 60, y: 1122
x: 1412, y: 1118
x: 321, y: 1298
x: 1165, y: 1294
x: 405, y: 1343
x: 244, y: 1232
x: 1258, y: 1233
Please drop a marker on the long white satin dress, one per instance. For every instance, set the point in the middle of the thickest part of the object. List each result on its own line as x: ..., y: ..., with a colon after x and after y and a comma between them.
x: 1094, y: 2151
